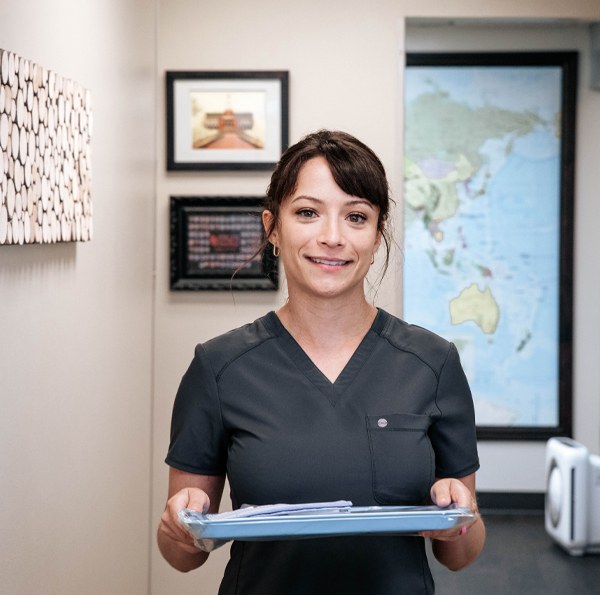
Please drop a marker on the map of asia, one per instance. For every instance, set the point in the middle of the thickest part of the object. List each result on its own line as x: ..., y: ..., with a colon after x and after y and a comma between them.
x: 481, y: 229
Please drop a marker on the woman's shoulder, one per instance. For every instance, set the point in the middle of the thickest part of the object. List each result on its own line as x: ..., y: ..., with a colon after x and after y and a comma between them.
x: 225, y: 348
x: 422, y: 342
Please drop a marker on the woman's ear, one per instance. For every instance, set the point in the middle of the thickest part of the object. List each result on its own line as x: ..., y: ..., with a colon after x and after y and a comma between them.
x: 267, y: 221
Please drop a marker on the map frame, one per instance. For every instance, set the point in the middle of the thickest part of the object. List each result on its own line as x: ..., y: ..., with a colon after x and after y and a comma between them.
x: 567, y: 62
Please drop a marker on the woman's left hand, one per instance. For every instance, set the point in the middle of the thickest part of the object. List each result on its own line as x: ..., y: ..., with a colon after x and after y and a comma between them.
x: 452, y: 491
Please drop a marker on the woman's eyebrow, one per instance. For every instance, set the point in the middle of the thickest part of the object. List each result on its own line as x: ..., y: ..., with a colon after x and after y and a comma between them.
x: 307, y: 197
x: 350, y: 203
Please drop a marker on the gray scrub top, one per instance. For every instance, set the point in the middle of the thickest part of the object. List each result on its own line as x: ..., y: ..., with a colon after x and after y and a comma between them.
x: 254, y: 406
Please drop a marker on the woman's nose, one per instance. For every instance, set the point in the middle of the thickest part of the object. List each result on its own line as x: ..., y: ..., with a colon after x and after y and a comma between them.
x: 331, y: 232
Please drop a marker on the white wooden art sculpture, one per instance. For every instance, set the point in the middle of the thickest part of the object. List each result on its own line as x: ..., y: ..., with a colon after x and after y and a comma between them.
x: 45, y: 168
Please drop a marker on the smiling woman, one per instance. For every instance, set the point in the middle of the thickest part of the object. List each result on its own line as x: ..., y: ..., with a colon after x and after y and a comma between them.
x: 327, y: 399
x: 326, y: 238
x: 354, y: 168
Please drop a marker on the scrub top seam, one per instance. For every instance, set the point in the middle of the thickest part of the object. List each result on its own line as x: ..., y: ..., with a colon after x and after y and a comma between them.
x: 438, y: 380
x: 237, y: 356
x: 218, y: 393
x: 405, y: 349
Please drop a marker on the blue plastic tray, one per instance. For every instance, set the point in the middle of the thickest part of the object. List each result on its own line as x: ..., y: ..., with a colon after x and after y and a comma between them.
x: 354, y: 520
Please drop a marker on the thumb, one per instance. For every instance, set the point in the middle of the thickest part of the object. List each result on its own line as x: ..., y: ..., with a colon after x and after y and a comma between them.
x: 440, y: 494
x: 197, y: 500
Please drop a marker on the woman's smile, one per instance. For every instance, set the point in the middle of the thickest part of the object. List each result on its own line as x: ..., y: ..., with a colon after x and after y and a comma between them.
x: 331, y: 262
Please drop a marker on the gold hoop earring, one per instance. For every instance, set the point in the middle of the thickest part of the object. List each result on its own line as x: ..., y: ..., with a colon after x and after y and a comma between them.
x: 276, y: 251
x: 373, y: 258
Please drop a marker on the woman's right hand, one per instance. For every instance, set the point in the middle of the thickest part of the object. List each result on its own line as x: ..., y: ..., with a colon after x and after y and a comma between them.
x: 171, y: 527
x: 186, y: 490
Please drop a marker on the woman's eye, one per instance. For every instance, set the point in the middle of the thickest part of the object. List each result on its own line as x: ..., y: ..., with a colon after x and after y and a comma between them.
x: 356, y: 218
x: 306, y: 213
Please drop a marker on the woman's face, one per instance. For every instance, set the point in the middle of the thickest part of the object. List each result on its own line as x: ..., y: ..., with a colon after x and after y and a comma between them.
x: 327, y: 238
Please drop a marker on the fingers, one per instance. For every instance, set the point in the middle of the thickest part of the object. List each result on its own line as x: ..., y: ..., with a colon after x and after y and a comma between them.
x: 447, y: 535
x: 170, y: 525
x: 445, y: 492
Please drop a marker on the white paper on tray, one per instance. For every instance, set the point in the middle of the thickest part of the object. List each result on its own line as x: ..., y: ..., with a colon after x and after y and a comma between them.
x: 267, y: 509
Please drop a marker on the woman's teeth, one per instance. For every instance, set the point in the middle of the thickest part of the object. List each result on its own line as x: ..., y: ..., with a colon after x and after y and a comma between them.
x: 335, y: 263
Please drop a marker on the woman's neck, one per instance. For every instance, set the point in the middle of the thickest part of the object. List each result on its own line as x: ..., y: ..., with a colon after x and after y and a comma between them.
x: 327, y: 322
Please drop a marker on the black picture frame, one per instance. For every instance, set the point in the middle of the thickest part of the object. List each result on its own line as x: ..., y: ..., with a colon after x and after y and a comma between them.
x: 226, y: 120
x: 567, y: 62
x: 214, y: 243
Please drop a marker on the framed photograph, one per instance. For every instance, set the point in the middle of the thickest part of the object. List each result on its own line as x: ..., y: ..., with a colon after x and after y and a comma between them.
x: 488, y: 228
x: 226, y: 120
x: 215, y: 244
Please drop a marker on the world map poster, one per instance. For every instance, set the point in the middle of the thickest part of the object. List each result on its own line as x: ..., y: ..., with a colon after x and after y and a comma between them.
x: 486, y: 243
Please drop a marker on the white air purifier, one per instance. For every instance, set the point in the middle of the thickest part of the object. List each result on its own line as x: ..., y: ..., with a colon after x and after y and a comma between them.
x: 572, y: 511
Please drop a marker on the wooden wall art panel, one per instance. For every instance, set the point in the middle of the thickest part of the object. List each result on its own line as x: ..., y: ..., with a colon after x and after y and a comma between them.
x: 45, y: 168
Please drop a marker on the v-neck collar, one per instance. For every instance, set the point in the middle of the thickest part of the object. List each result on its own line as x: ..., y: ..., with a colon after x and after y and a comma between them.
x: 332, y: 390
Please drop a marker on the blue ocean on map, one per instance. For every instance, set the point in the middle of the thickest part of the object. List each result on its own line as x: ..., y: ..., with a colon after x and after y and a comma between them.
x: 506, y: 240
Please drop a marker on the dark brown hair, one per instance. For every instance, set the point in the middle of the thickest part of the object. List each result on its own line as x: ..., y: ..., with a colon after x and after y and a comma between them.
x: 354, y: 167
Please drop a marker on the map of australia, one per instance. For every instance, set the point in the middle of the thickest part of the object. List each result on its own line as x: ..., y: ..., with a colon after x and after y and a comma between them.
x: 478, y: 306
x: 482, y: 200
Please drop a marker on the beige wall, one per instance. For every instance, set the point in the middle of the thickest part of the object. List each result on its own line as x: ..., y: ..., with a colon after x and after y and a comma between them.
x: 75, y: 326
x: 92, y: 342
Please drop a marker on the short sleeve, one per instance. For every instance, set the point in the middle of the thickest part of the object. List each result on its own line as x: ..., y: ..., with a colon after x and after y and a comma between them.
x: 453, y: 434
x: 198, y: 441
